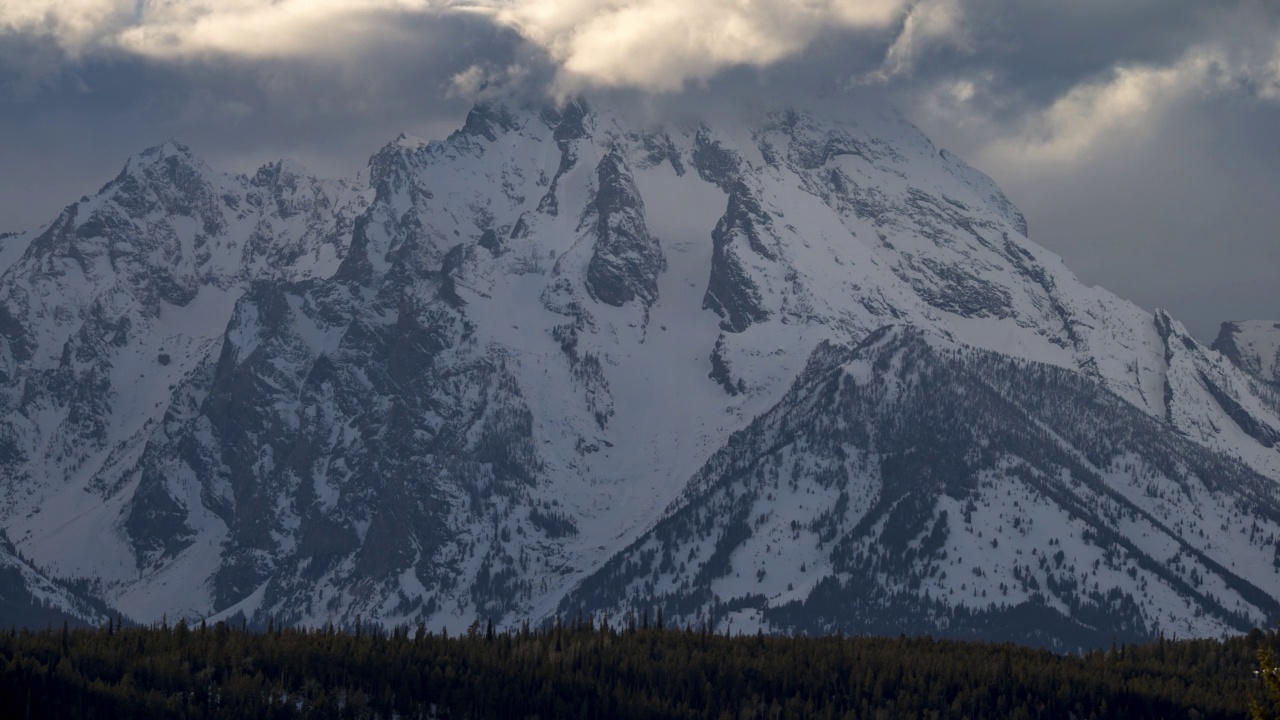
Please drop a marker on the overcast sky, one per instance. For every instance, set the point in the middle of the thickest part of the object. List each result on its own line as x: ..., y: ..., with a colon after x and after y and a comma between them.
x: 1141, y: 138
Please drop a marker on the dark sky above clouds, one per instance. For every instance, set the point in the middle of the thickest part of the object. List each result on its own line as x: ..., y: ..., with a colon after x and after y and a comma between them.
x: 1141, y: 138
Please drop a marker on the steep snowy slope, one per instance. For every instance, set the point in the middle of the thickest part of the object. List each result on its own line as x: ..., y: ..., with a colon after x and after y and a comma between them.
x: 467, y: 396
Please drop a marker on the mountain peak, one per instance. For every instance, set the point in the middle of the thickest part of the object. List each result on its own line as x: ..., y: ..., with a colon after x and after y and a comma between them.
x: 1168, y: 325
x: 1253, y: 346
x: 406, y: 141
x: 280, y: 170
x: 393, y: 159
x: 155, y: 154
x: 171, y: 163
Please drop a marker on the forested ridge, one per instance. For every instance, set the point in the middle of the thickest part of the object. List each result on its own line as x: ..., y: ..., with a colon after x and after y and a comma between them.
x: 591, y: 669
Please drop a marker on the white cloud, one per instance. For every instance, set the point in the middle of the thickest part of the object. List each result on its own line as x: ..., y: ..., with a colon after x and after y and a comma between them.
x: 1100, y: 116
x: 1269, y: 76
x: 653, y: 44
x: 480, y: 81
x: 75, y: 24
x: 183, y: 28
x: 469, y: 82
x: 930, y: 23
x: 1097, y: 115
x: 254, y: 28
x: 661, y: 44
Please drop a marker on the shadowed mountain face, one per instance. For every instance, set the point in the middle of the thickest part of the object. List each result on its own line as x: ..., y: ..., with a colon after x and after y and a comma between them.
x: 567, y: 359
x: 29, y: 598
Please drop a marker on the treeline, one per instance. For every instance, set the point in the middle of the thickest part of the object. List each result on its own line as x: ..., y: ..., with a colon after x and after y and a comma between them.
x: 590, y: 670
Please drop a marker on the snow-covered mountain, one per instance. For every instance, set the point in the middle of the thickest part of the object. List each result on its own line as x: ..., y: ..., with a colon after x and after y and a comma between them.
x: 576, y: 358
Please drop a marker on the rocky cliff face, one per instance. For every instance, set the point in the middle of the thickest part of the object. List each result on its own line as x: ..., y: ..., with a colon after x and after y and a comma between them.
x: 567, y: 359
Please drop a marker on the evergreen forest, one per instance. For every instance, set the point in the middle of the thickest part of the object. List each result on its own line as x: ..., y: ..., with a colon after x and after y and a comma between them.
x: 591, y: 669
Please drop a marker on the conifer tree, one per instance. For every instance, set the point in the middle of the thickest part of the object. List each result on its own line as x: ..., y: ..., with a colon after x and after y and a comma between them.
x: 1269, y: 674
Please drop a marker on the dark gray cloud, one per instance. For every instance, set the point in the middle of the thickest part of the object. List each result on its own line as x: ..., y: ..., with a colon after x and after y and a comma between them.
x: 1140, y: 138
x: 1181, y: 219
x: 68, y: 125
x: 1040, y: 50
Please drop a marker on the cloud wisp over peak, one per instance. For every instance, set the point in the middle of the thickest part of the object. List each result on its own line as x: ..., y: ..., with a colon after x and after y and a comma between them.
x: 662, y: 44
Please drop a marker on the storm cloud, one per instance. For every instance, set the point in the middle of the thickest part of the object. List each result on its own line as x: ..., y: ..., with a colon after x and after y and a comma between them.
x: 1142, y: 139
